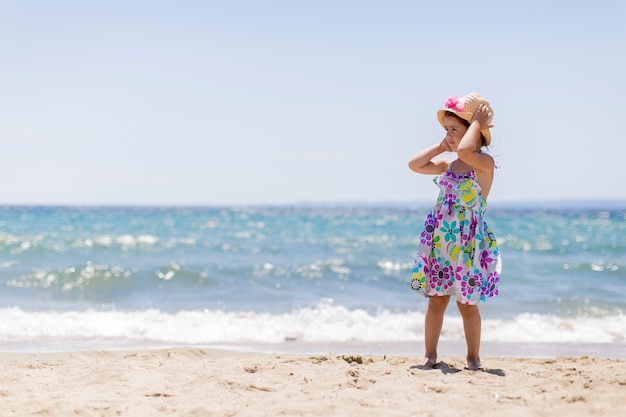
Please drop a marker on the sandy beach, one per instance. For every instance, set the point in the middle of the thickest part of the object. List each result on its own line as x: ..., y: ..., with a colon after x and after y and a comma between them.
x: 200, y: 382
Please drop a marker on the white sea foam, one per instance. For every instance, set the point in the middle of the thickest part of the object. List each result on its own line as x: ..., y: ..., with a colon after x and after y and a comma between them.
x: 325, y: 323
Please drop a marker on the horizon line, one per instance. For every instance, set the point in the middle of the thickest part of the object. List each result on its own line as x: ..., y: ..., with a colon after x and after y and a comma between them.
x: 329, y: 203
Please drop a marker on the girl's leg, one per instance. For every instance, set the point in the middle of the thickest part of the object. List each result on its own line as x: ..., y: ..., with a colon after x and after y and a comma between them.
x: 471, y: 326
x: 432, y: 327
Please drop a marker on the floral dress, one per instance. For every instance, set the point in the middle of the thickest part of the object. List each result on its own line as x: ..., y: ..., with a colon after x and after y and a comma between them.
x: 458, y: 254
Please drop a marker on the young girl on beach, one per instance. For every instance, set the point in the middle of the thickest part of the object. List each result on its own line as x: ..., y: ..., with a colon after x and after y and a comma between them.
x: 458, y: 255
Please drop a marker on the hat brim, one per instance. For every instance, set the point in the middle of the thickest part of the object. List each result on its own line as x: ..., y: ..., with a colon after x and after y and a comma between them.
x: 467, y: 116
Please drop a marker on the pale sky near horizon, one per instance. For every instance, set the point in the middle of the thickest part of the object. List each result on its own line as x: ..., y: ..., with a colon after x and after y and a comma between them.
x: 278, y: 102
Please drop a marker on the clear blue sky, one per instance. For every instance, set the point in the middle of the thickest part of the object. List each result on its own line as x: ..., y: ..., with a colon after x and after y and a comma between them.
x: 274, y: 102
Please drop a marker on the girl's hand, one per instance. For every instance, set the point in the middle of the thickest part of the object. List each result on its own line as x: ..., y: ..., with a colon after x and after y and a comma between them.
x: 483, y: 116
x: 444, y: 146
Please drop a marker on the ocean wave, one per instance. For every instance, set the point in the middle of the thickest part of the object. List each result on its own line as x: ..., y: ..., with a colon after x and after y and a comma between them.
x: 323, y: 323
x: 89, y: 275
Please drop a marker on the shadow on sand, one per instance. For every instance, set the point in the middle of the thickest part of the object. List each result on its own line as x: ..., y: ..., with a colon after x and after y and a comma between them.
x: 448, y: 369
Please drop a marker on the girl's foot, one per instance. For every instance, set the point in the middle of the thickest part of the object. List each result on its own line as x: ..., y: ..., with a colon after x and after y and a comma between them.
x: 473, y: 364
x: 427, y: 363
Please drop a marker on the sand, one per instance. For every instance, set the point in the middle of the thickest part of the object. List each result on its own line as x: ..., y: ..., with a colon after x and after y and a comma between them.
x: 199, y: 382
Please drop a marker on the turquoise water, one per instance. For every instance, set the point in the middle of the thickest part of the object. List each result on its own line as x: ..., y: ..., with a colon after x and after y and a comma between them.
x: 312, y: 274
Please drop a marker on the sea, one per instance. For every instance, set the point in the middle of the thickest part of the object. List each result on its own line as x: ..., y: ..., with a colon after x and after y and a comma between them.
x: 302, y: 278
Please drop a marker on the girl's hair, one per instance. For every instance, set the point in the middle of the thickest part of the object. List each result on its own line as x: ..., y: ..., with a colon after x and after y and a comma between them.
x: 466, y: 124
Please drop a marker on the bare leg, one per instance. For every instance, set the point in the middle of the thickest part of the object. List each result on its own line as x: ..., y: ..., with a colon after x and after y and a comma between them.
x: 471, y: 326
x: 432, y: 327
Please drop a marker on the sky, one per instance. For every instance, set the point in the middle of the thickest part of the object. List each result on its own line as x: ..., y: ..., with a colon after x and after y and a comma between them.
x: 288, y: 102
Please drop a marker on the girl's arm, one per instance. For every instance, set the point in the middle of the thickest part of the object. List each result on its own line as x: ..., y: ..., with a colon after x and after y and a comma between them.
x: 423, y: 162
x: 471, y: 143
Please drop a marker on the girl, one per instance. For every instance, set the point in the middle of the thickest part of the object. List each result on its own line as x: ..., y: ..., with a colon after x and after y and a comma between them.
x: 458, y: 254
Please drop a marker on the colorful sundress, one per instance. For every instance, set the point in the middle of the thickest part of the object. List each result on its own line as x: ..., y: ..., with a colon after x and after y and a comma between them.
x: 458, y: 254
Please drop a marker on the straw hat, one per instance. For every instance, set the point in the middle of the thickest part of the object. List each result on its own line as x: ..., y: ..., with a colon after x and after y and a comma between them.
x: 465, y: 107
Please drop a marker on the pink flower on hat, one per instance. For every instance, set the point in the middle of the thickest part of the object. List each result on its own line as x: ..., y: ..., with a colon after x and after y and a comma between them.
x: 453, y: 103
